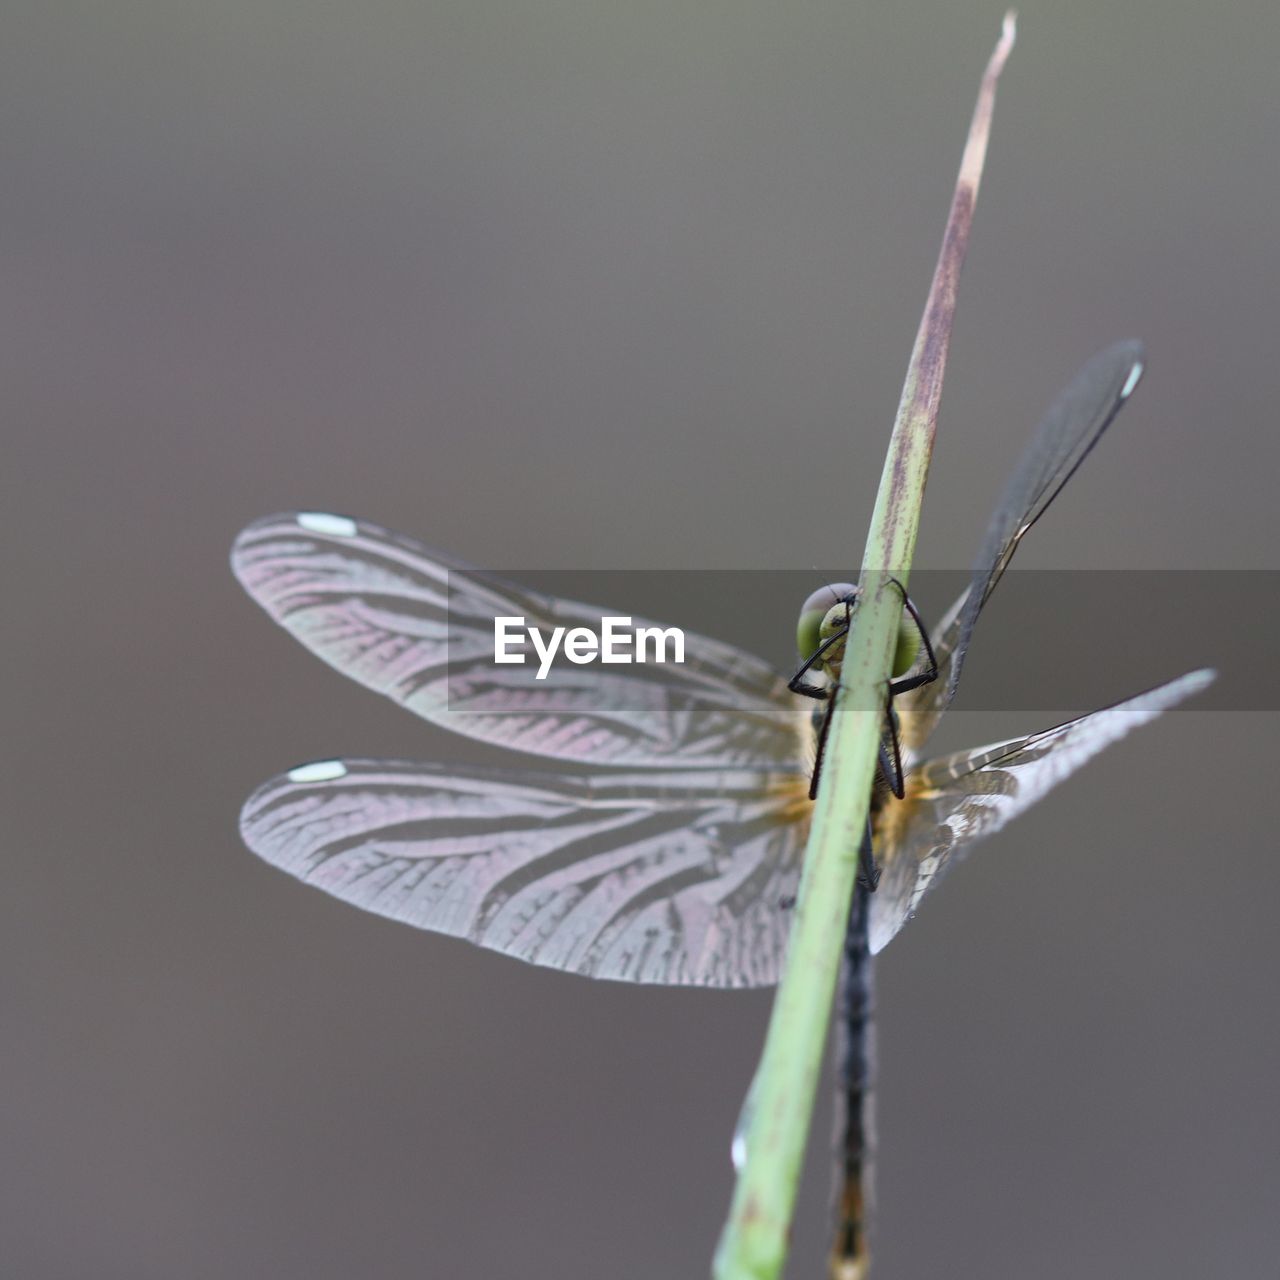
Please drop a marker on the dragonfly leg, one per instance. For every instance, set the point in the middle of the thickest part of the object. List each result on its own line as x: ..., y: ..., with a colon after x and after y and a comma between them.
x: 868, y: 869
x: 891, y: 766
x: 807, y: 690
x: 798, y: 684
x: 822, y: 743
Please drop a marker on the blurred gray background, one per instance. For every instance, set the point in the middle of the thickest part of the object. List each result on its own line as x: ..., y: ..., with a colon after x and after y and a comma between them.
x: 579, y: 285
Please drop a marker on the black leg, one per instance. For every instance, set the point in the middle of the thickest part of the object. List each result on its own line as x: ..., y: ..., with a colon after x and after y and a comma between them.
x: 868, y: 872
x: 822, y: 743
x: 892, y: 768
x: 797, y: 683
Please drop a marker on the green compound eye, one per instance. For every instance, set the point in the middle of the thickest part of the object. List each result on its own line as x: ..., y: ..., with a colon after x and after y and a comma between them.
x: 907, y: 652
x: 814, y: 611
x: 807, y: 632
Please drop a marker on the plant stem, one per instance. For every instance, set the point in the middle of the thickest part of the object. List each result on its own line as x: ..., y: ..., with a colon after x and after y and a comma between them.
x: 753, y: 1245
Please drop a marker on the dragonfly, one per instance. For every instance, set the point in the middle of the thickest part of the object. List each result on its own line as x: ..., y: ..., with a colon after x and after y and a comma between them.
x: 665, y: 843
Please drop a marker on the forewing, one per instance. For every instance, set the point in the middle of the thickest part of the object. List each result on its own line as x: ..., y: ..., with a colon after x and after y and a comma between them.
x: 419, y: 627
x: 955, y: 800
x: 1074, y: 424
x: 680, y: 879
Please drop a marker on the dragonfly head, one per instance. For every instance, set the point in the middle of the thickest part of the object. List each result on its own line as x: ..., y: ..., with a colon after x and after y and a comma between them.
x: 828, y: 612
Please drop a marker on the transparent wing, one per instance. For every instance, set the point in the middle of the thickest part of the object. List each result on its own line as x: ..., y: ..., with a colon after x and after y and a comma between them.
x: 675, y: 878
x: 954, y: 801
x: 1062, y: 441
x: 418, y: 627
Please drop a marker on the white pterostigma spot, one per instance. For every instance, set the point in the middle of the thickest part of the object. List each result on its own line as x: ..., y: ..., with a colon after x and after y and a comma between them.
x: 320, y: 771
x: 322, y: 522
x: 1131, y: 381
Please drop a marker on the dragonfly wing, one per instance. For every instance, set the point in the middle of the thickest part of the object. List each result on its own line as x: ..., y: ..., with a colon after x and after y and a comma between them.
x: 1074, y: 424
x: 419, y: 627
x: 956, y: 800
x: 674, y: 878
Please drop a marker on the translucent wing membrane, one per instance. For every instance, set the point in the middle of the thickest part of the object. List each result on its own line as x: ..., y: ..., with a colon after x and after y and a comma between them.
x: 418, y: 627
x: 680, y: 873
x: 1070, y: 429
x: 678, y: 878
x: 955, y: 800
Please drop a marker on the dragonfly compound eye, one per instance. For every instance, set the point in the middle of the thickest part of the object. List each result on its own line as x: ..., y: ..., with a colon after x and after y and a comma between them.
x: 811, y: 629
x: 907, y: 652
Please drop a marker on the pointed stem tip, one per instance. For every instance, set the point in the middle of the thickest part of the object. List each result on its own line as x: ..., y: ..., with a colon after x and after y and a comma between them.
x: 1008, y: 34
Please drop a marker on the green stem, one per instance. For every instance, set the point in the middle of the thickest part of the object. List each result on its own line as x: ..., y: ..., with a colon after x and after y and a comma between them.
x: 753, y: 1245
